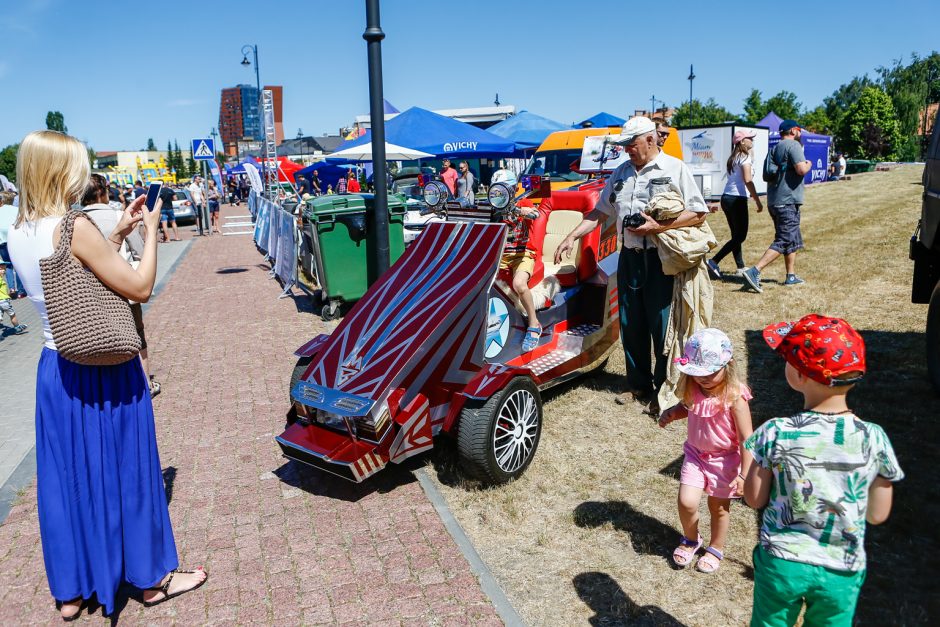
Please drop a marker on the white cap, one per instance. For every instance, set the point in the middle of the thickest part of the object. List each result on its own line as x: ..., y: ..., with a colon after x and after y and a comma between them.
x: 634, y: 127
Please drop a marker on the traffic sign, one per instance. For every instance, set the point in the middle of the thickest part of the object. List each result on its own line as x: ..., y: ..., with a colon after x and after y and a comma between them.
x: 203, y: 149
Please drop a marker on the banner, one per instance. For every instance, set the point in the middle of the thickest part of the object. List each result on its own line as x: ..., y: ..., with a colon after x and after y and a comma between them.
x: 216, y: 176
x: 596, y: 150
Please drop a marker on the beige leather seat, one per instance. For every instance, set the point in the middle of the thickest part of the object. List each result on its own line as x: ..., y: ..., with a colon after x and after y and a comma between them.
x: 560, y: 223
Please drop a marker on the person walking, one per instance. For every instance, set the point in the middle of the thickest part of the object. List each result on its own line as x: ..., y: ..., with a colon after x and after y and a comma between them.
x: 740, y: 185
x: 103, y: 516
x: 195, y: 190
x: 214, y: 198
x: 341, y: 184
x: 785, y: 166
x: 167, y: 215
x: 645, y: 292
x: 352, y: 183
x: 465, y: 184
x: 8, y: 212
x: 315, y: 183
x: 449, y: 176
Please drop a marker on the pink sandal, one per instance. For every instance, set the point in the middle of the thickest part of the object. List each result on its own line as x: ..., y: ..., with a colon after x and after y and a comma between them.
x: 686, y: 550
x: 711, y: 561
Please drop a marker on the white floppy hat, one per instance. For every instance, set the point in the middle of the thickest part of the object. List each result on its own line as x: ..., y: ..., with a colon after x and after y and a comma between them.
x: 634, y: 127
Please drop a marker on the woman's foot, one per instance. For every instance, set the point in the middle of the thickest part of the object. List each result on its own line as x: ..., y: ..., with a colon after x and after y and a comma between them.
x: 175, y: 583
x: 70, y: 610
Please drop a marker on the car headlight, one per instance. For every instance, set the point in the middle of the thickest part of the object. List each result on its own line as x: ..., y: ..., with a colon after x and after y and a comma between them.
x: 500, y: 195
x: 435, y: 194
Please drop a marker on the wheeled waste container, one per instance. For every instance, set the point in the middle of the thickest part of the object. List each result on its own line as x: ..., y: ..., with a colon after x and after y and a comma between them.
x: 337, y: 245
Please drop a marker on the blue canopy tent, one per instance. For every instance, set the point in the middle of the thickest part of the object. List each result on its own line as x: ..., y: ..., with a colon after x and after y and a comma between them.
x: 238, y: 168
x: 438, y: 135
x: 600, y: 120
x: 526, y: 130
x: 815, y: 147
x: 328, y: 173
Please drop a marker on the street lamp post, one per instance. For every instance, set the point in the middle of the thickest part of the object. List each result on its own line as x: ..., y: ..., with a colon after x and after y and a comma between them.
x: 303, y: 152
x: 245, y: 62
x: 374, y: 36
x: 691, y: 78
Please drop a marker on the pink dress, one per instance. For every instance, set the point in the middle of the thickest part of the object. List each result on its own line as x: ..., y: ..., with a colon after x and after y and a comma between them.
x: 712, y: 450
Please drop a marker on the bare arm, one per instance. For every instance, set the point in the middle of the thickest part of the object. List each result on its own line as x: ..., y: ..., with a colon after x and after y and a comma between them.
x: 757, y: 486
x: 102, y: 259
x: 803, y: 167
x: 880, y: 495
x: 748, y: 176
x: 588, y: 224
x: 741, y: 412
x: 676, y: 412
x: 686, y: 218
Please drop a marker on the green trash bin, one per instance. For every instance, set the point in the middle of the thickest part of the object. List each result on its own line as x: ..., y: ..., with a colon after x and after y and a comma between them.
x: 856, y: 166
x: 335, y: 230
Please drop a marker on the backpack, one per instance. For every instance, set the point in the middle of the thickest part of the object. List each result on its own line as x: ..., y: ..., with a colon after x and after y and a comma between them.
x: 773, y: 171
x: 476, y: 185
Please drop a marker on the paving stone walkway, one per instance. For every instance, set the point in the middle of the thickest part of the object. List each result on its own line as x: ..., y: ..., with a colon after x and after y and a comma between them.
x: 284, y: 544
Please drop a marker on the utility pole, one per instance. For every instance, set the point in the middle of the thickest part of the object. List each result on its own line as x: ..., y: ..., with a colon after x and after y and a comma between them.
x: 691, y: 112
x: 374, y: 36
x: 652, y: 106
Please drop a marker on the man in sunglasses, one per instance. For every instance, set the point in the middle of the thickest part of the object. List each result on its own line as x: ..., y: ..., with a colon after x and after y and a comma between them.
x: 644, y: 291
x: 662, y: 134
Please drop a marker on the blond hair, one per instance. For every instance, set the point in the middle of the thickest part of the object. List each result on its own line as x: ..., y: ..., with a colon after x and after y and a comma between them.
x: 52, y: 170
x: 728, y: 391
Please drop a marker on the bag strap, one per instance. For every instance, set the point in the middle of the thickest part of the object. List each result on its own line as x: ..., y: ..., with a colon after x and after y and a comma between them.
x: 66, y: 226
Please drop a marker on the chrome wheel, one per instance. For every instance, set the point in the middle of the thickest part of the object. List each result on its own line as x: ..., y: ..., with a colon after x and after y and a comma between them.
x: 516, y: 431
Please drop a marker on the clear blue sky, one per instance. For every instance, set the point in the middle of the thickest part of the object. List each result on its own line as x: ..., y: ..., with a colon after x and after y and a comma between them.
x: 123, y: 72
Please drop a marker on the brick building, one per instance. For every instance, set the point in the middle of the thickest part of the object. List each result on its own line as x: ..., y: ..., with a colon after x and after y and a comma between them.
x: 240, y: 116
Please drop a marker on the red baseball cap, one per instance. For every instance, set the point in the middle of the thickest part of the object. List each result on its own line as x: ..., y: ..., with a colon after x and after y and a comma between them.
x: 819, y: 347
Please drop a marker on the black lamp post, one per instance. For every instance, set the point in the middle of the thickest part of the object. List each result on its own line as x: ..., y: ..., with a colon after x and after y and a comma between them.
x: 303, y: 153
x: 691, y: 78
x: 379, y: 222
x: 245, y: 62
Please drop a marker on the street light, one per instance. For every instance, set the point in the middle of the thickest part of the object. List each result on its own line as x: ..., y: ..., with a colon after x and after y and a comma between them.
x: 374, y: 36
x: 691, y: 78
x: 303, y: 153
x: 245, y: 62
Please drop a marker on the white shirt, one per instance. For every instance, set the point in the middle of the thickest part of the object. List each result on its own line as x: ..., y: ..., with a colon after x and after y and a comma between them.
x: 735, y: 185
x: 8, y: 215
x: 840, y: 167
x: 634, y: 195
x: 28, y: 243
x: 196, y: 192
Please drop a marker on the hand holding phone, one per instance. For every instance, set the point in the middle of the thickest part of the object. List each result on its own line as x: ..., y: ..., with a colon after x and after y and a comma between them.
x: 153, y: 193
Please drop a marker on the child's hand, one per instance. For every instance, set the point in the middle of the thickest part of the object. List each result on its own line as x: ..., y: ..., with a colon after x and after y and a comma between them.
x: 737, y: 485
x: 666, y: 417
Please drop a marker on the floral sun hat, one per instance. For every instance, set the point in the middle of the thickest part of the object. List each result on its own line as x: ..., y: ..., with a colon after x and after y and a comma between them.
x: 706, y: 352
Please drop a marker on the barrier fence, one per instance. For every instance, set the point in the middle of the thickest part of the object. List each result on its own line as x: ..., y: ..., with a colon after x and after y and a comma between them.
x: 277, y: 238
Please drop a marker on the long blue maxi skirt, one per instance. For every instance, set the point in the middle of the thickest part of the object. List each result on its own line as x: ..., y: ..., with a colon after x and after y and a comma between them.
x: 103, y: 514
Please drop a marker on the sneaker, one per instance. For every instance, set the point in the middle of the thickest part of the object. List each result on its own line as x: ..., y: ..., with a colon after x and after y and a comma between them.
x: 740, y: 272
x: 713, y: 270
x: 792, y: 279
x: 20, y: 328
x: 752, y: 276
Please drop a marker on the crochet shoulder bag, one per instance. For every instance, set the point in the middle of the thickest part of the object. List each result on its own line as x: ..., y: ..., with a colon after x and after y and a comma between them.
x: 91, y: 324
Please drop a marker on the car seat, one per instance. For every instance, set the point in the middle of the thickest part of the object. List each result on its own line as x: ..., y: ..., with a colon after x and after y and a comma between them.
x: 566, y: 210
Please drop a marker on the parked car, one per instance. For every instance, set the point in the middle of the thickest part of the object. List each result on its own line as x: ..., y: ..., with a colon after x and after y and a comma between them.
x: 925, y: 252
x: 183, y: 206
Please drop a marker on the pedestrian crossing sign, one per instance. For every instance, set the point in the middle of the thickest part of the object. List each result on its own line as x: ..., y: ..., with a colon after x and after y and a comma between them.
x: 203, y: 149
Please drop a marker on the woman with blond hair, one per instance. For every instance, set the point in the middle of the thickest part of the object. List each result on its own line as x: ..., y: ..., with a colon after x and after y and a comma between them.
x: 103, y: 516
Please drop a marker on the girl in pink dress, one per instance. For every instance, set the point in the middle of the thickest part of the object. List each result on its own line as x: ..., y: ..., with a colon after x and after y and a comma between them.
x: 714, y: 399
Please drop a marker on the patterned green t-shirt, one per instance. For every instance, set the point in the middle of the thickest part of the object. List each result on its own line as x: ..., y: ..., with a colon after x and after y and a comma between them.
x: 823, y: 466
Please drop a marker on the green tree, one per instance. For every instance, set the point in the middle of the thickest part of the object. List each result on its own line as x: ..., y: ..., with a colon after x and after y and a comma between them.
x: 870, y: 127
x: 8, y: 161
x: 150, y: 144
x: 784, y: 104
x: 754, y: 107
x: 817, y: 121
x: 170, y: 157
x: 910, y: 88
x: 191, y: 166
x: 92, y: 156
x: 55, y: 121
x: 844, y: 97
x: 709, y: 112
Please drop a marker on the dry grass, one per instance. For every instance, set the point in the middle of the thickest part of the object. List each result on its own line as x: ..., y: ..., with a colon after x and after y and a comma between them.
x: 586, y: 533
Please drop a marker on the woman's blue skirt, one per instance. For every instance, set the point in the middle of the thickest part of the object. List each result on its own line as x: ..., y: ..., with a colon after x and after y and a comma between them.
x: 103, y: 514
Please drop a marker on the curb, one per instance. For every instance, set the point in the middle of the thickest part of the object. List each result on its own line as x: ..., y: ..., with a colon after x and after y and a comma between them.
x: 488, y: 582
x: 25, y: 471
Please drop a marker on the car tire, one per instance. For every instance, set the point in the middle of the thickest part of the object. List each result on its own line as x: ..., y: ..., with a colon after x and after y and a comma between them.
x: 933, y: 338
x: 497, y: 439
x: 302, y: 364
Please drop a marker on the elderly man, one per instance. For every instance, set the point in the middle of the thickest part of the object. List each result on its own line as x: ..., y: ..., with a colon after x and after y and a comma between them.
x: 644, y: 291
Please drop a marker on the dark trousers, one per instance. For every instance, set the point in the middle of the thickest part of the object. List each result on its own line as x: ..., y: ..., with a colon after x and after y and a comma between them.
x: 735, y: 208
x: 645, y: 297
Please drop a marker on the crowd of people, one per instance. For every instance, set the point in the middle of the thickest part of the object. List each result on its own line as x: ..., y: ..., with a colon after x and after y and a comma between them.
x: 820, y: 476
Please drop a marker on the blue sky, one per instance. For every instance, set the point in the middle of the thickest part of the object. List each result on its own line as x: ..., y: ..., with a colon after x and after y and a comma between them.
x: 121, y: 75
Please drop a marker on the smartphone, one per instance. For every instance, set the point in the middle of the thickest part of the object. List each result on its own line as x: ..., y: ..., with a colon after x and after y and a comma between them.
x: 153, y: 193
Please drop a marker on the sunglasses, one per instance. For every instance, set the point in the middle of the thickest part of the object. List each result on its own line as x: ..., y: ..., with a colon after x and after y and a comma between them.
x: 613, y: 195
x: 663, y: 134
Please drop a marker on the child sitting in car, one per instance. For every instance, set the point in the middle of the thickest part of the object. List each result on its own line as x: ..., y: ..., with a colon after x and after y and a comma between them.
x: 519, y: 259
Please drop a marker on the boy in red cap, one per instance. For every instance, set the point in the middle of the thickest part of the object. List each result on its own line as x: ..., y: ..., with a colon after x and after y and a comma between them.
x: 822, y: 474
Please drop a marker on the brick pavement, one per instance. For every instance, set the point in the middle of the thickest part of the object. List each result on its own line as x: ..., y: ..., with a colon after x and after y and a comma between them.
x: 284, y: 544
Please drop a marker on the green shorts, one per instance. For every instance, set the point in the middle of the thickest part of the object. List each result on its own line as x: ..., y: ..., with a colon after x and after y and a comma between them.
x: 781, y: 587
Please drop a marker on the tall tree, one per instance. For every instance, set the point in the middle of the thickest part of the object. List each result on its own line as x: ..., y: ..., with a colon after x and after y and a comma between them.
x: 170, y: 157
x: 817, y: 121
x: 910, y: 88
x: 844, y: 97
x: 754, y: 107
x: 8, y: 161
x: 784, y: 104
x: 150, y: 144
x: 701, y: 113
x: 870, y: 127
x: 55, y: 121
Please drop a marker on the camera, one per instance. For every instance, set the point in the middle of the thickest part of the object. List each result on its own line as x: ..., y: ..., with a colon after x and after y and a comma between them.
x: 633, y: 220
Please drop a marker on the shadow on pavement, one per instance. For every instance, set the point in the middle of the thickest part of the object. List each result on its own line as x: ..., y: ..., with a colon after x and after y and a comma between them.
x: 235, y: 270
x: 612, y: 606
x: 169, y: 477
x: 673, y: 469
x: 648, y: 535
x: 319, y: 483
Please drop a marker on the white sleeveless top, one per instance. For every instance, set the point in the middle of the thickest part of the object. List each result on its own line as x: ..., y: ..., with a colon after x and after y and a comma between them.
x: 28, y: 243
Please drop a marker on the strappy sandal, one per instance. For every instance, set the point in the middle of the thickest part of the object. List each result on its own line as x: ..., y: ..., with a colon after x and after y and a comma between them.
x: 710, y: 562
x: 531, y: 339
x: 686, y: 550
x: 166, y: 587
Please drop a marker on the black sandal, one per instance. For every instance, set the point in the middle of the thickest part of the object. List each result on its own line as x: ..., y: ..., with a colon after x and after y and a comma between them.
x: 76, y: 615
x: 166, y: 587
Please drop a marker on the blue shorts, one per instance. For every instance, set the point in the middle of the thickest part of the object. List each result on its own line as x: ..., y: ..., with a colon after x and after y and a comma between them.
x: 167, y: 215
x: 787, y: 236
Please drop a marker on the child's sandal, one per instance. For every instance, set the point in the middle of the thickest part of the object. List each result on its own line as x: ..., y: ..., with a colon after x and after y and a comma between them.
x: 710, y: 562
x: 686, y: 550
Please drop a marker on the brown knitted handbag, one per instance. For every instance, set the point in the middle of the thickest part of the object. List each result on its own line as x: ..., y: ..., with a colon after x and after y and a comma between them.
x: 91, y: 324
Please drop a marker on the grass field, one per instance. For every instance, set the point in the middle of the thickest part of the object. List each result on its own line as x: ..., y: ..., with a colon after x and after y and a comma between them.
x: 586, y: 534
